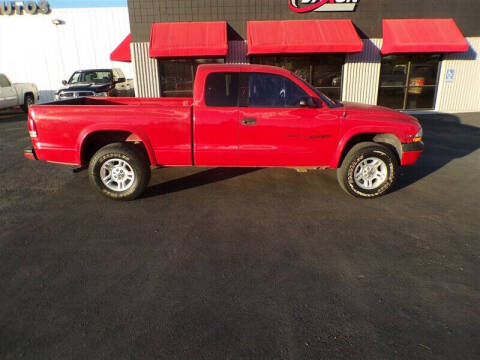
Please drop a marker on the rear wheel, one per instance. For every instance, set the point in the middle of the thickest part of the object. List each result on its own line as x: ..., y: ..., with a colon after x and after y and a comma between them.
x: 120, y: 171
x: 27, y: 102
x: 369, y: 170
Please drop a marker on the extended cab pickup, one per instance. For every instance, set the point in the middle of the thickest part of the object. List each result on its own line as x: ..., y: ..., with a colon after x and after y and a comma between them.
x: 239, y: 116
x: 12, y: 95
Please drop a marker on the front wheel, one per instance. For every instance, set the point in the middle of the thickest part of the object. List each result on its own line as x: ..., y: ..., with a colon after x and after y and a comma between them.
x: 369, y: 170
x: 120, y: 171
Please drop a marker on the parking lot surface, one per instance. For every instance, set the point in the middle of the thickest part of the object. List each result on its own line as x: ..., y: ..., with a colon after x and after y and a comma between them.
x: 242, y: 263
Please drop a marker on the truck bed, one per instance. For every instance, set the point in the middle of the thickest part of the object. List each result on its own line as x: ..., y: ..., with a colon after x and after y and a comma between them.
x: 126, y: 101
x: 163, y: 125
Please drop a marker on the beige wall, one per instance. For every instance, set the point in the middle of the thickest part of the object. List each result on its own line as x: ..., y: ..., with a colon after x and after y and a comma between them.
x: 145, y: 71
x: 463, y: 93
x: 361, y: 74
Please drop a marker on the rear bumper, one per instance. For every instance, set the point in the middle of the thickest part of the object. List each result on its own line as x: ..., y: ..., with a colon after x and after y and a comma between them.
x: 411, y: 152
x: 30, y: 154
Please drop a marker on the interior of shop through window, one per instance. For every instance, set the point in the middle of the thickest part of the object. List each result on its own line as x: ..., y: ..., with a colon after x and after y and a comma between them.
x: 409, y: 81
x: 177, y: 75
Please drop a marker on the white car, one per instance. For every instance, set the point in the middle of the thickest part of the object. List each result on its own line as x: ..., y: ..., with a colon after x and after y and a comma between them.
x: 12, y: 95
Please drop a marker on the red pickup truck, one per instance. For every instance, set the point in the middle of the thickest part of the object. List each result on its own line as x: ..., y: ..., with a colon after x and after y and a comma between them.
x: 239, y: 116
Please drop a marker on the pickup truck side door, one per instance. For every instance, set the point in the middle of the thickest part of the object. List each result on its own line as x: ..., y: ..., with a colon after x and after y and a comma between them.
x: 276, y: 129
x: 8, y: 94
x: 215, y: 128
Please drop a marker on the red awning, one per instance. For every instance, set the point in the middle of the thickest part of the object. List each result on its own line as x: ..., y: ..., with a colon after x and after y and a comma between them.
x: 122, y: 52
x: 188, y: 39
x: 422, y: 36
x: 302, y: 36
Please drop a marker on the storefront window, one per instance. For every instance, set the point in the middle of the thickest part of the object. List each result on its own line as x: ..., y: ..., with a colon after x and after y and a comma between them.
x: 324, y: 72
x: 177, y: 76
x: 409, y: 82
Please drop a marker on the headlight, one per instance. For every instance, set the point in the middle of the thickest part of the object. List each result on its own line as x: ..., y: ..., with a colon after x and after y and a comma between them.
x: 101, y: 94
x: 418, y: 137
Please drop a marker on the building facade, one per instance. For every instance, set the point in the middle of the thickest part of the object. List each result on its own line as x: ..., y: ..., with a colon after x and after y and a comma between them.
x: 414, y: 55
x: 46, y: 47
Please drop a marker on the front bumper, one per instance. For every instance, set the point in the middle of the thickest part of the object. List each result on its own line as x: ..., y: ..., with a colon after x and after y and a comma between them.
x: 29, y: 153
x: 415, y: 146
x: 411, y: 152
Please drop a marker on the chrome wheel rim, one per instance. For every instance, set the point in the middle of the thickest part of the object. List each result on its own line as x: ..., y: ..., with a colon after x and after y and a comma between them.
x: 117, y: 175
x: 370, y: 173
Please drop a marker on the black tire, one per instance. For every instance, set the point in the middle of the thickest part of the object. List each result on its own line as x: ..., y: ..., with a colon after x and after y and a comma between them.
x: 136, y: 161
x: 357, y: 162
x: 27, y: 102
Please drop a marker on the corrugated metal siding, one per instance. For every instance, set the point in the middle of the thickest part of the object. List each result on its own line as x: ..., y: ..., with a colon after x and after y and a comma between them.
x: 237, y: 52
x: 463, y: 93
x: 145, y: 70
x: 361, y: 73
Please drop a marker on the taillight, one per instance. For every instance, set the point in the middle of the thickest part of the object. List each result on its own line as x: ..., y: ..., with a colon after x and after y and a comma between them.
x: 32, y: 128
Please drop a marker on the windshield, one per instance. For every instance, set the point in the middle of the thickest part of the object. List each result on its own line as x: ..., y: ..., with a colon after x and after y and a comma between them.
x: 330, y: 102
x: 91, y: 77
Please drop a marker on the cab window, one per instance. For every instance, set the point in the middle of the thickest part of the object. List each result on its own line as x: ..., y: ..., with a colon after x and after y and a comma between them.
x: 270, y: 90
x: 221, y: 89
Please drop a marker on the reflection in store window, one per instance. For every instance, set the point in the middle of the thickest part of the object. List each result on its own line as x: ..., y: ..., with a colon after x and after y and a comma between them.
x: 324, y: 72
x: 409, y: 82
x: 177, y: 75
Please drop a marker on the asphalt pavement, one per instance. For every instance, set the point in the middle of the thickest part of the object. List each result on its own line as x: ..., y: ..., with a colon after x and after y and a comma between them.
x: 242, y: 263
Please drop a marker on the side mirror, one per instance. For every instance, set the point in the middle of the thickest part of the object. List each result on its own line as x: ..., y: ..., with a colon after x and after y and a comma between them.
x: 120, y: 80
x: 308, y: 102
x: 64, y: 82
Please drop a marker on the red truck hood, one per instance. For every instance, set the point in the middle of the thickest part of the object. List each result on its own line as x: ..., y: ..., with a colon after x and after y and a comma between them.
x: 379, y: 113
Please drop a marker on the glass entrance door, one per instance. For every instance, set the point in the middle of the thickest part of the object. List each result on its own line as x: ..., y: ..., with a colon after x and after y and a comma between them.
x: 409, y: 82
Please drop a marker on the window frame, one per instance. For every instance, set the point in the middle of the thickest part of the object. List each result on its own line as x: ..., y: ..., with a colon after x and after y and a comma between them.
x: 244, y: 81
x: 193, y: 64
x: 411, y: 62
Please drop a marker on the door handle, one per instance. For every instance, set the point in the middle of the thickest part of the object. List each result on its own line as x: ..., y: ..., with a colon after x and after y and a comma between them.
x: 249, y: 121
